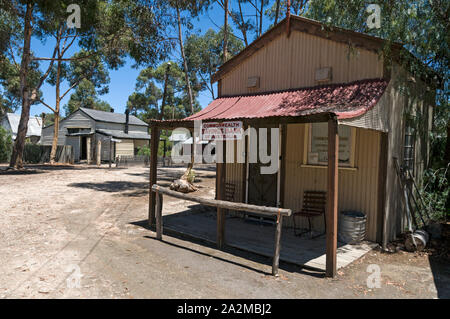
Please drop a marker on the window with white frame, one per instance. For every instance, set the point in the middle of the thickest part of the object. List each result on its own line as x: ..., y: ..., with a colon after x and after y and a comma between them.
x: 316, y: 145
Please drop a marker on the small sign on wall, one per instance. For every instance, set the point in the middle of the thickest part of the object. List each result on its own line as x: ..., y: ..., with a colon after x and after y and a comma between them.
x: 253, y: 82
x: 221, y: 131
x: 323, y: 74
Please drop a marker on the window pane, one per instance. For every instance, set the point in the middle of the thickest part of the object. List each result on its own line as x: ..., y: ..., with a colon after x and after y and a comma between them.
x: 344, y: 144
x: 319, y: 144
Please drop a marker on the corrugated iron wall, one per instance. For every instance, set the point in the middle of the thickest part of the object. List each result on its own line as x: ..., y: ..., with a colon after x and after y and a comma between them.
x: 291, y: 63
x: 358, y: 189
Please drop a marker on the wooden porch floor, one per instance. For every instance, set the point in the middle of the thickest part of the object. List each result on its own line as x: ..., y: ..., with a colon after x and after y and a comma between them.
x: 259, y: 238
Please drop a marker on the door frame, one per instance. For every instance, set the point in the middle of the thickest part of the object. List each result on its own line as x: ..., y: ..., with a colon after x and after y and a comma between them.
x: 278, y: 171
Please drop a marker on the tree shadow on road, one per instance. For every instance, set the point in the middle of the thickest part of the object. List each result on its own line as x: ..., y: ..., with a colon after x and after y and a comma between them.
x: 113, y: 186
x: 206, y: 242
x: 441, y: 277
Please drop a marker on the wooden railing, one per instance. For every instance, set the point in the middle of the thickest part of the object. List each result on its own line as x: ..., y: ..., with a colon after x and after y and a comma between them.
x: 261, y: 210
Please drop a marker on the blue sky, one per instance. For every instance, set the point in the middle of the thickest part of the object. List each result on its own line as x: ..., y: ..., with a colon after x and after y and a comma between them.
x: 123, y: 80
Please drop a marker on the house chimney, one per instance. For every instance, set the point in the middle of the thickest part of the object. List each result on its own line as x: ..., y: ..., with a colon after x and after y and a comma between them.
x: 112, y: 110
x: 127, y: 119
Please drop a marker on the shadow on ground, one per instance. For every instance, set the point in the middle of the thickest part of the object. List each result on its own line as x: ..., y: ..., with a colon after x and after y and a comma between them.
x: 43, y: 168
x: 197, y: 237
x: 441, y: 277
x: 139, y: 189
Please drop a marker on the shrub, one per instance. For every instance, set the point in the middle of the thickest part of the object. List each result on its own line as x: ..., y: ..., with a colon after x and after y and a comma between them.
x: 32, y: 153
x: 143, y: 150
x: 436, y: 192
x: 6, y: 145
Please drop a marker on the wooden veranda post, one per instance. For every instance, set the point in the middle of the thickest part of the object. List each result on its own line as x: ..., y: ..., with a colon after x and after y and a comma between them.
x: 99, y: 153
x: 332, y: 197
x: 88, y: 150
x: 154, y: 144
x: 220, y: 189
x: 276, y: 253
x: 159, y: 221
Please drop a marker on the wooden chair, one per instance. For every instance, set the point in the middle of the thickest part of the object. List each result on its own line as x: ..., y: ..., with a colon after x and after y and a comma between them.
x: 314, y: 205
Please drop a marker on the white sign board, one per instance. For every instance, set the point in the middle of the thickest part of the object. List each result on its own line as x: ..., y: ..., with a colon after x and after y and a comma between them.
x: 222, y: 131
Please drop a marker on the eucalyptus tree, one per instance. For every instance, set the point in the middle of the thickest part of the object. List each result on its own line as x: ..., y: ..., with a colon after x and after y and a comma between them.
x: 204, y: 54
x: 168, y: 103
x: 110, y: 29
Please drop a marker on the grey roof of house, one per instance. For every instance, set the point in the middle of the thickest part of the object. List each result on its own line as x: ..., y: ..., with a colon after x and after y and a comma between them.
x: 34, y: 124
x: 112, y: 117
x: 121, y: 134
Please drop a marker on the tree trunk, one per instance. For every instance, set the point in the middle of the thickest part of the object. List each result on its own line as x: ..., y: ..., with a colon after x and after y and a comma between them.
x: 225, y: 32
x: 19, y: 144
x: 447, y: 144
x: 243, y: 29
x: 163, y: 103
x: 186, y: 71
x: 277, y: 12
x: 57, y: 105
x: 188, y: 86
x: 261, y: 13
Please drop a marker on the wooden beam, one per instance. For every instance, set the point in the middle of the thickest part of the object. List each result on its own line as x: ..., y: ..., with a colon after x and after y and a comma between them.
x: 154, y: 144
x: 88, y: 150
x: 283, y: 163
x: 261, y: 210
x: 110, y: 152
x: 99, y: 153
x: 332, y: 198
x: 276, y: 253
x: 159, y: 221
x: 220, y: 182
x: 275, y: 120
x: 382, y: 177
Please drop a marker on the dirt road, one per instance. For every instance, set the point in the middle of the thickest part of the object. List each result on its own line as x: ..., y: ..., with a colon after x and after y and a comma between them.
x: 80, y: 232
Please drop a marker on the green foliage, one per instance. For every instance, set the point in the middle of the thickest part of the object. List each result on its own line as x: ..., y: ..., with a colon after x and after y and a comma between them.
x: 421, y: 26
x: 204, y: 54
x: 146, y: 101
x: 143, y: 150
x: 85, y: 95
x: 436, y: 192
x: 6, y: 144
x: 32, y: 153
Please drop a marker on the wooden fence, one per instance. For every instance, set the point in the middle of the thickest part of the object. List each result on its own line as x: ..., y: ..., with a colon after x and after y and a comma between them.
x: 35, y: 153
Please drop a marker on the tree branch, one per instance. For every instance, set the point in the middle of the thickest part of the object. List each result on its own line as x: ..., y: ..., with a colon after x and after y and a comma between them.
x: 40, y: 101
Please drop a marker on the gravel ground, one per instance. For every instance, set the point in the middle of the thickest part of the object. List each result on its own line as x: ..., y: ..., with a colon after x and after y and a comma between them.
x: 79, y: 232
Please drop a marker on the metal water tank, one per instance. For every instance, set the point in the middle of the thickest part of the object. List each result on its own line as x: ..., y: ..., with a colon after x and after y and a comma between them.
x: 352, y: 227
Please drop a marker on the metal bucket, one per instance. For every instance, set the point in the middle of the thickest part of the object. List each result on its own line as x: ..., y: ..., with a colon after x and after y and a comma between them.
x: 352, y: 227
x: 417, y: 240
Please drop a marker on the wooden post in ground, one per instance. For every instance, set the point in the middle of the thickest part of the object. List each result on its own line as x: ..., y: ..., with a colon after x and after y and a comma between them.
x: 99, y: 153
x: 332, y: 197
x: 276, y: 253
x: 159, y: 221
x: 220, y: 191
x: 88, y: 150
x: 110, y: 152
x: 154, y: 144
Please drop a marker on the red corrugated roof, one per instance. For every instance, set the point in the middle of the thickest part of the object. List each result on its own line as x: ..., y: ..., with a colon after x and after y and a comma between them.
x: 345, y: 100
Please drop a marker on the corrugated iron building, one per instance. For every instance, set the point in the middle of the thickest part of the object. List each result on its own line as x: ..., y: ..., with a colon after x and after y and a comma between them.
x: 311, y: 69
